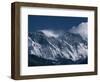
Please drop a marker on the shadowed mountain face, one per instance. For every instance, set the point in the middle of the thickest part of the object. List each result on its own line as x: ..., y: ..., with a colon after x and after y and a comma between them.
x: 49, y: 48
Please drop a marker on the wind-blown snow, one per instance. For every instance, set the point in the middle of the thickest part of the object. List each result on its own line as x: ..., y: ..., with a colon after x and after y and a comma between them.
x: 50, y: 33
x: 82, y: 29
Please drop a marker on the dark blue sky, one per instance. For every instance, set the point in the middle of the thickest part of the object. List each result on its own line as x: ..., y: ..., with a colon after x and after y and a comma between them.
x: 38, y: 22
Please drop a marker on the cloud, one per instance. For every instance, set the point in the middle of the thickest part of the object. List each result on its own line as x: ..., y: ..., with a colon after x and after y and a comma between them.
x: 50, y: 33
x: 81, y: 29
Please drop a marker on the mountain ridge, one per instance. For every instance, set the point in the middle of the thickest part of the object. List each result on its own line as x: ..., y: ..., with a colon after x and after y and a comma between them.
x: 68, y: 46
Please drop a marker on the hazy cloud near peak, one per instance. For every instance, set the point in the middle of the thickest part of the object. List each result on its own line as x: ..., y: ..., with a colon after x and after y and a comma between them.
x: 50, y: 33
x: 81, y: 29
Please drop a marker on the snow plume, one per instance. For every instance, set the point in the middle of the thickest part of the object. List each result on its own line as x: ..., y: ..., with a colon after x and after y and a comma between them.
x: 81, y: 29
x: 50, y: 33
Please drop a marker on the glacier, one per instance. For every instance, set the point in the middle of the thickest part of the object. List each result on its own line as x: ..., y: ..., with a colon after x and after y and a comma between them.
x: 48, y: 48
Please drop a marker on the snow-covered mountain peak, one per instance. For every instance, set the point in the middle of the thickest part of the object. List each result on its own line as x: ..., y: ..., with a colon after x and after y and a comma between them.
x: 49, y: 46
